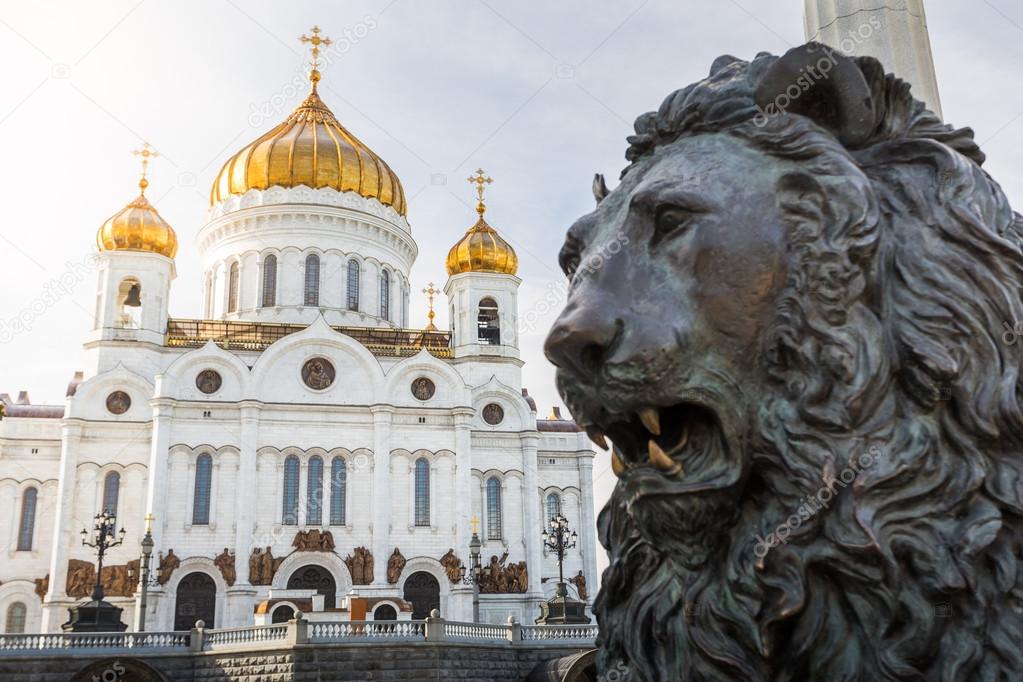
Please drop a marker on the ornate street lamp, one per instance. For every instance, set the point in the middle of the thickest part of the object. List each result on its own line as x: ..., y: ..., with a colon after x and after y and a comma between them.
x: 97, y: 615
x: 145, y: 580
x: 475, y: 569
x: 561, y: 608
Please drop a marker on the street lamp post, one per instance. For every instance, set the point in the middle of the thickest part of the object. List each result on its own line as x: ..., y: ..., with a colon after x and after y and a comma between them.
x: 561, y: 609
x: 145, y: 580
x: 97, y: 615
x: 475, y: 569
x: 103, y: 532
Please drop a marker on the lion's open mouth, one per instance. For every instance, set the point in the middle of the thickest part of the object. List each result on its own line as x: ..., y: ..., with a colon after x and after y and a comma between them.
x: 677, y: 441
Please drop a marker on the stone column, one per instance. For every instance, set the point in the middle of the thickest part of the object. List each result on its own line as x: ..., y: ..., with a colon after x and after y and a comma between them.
x: 240, y: 597
x: 64, y: 533
x: 897, y: 36
x: 463, y: 479
x: 587, y: 523
x: 531, y: 526
x: 381, y: 546
x: 156, y: 493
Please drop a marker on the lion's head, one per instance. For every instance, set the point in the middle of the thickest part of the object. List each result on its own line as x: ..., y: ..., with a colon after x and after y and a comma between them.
x: 790, y: 318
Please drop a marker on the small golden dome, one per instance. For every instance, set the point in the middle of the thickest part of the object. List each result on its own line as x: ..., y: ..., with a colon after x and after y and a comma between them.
x: 310, y: 148
x: 482, y: 249
x: 138, y: 227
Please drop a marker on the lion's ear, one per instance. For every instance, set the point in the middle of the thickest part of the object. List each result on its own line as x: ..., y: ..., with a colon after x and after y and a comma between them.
x: 815, y: 81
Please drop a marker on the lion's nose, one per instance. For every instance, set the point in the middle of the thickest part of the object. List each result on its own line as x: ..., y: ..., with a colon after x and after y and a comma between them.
x: 581, y: 338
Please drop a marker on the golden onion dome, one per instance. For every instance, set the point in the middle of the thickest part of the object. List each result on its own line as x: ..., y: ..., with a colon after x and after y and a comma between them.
x: 482, y: 249
x: 310, y: 148
x: 138, y: 227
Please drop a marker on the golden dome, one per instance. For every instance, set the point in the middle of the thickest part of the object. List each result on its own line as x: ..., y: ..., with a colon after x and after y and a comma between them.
x: 482, y: 249
x: 138, y: 227
x: 310, y: 148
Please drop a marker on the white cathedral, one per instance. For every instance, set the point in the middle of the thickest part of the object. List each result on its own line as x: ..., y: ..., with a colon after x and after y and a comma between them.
x: 296, y: 447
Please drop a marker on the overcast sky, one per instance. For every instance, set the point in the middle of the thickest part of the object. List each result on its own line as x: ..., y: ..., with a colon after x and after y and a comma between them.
x: 539, y: 93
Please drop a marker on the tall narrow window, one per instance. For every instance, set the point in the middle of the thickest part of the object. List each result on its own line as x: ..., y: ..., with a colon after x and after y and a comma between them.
x: 16, y: 614
x: 314, y: 493
x: 201, y: 493
x: 290, y: 512
x: 338, y: 491
x: 353, y: 284
x: 385, y: 294
x: 26, y: 529
x: 270, y: 281
x: 208, y: 300
x: 312, y: 279
x: 422, y: 492
x: 111, y: 489
x: 493, y: 509
x: 232, y: 288
x: 488, y: 323
x: 553, y: 506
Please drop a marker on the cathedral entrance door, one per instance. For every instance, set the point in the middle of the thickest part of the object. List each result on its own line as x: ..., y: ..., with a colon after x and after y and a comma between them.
x: 423, y: 591
x: 196, y: 600
x: 315, y: 578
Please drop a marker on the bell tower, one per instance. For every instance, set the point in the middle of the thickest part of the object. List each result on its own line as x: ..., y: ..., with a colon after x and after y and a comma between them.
x: 482, y: 288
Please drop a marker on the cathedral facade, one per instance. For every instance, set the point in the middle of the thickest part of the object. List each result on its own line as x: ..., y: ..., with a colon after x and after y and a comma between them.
x: 294, y: 445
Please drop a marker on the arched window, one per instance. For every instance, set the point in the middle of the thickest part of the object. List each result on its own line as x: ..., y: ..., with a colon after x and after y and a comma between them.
x: 314, y: 492
x: 338, y: 491
x: 354, y: 273
x: 385, y: 294
x: 422, y: 492
x: 232, y: 288
x: 16, y: 614
x: 201, y: 493
x: 129, y: 297
x: 111, y: 489
x: 290, y: 512
x: 493, y: 509
x: 553, y: 506
x: 488, y: 323
x: 312, y: 279
x: 26, y: 529
x: 270, y: 281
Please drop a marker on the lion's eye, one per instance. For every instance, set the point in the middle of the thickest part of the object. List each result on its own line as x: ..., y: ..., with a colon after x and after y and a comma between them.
x: 670, y: 220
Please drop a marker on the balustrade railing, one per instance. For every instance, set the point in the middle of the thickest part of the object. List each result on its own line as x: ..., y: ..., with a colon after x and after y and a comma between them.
x: 559, y: 633
x: 395, y: 630
x: 42, y: 643
x: 254, y: 634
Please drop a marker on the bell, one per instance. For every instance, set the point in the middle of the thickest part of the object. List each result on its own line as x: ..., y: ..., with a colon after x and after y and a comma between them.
x: 133, y: 300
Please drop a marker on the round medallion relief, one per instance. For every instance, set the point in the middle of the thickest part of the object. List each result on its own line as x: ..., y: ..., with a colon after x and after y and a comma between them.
x: 208, y: 381
x: 423, y: 388
x: 118, y: 402
x: 493, y: 414
x: 318, y: 373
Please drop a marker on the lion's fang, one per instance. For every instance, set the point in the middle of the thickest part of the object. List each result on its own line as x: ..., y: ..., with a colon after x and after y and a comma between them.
x: 616, y: 464
x: 651, y: 420
x: 597, y: 437
x: 659, y: 458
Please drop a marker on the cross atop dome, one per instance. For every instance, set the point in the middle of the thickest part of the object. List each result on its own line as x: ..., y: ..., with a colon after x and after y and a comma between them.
x: 146, y: 153
x: 315, y: 40
x: 481, y: 180
x: 430, y: 292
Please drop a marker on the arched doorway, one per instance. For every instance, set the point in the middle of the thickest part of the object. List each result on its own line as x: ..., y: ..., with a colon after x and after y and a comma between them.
x: 122, y: 669
x: 385, y: 612
x: 315, y: 578
x: 423, y: 591
x: 282, y: 614
x: 196, y: 600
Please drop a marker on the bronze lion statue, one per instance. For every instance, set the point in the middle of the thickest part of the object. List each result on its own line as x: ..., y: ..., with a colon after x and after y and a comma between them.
x: 795, y: 318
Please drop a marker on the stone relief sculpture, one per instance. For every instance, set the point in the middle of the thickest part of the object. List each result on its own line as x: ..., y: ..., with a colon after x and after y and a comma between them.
x: 452, y: 566
x: 395, y: 565
x: 789, y: 317
x: 501, y: 577
x: 167, y: 565
x: 81, y: 576
x: 313, y: 540
x: 225, y: 562
x: 263, y: 566
x: 579, y: 580
x: 42, y: 586
x: 360, y: 565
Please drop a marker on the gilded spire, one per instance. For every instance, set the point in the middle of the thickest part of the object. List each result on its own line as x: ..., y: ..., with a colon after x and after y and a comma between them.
x: 481, y: 180
x: 146, y: 153
x: 430, y: 292
x: 315, y: 41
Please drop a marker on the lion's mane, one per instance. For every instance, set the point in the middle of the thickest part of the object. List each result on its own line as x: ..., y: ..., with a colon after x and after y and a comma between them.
x: 891, y: 339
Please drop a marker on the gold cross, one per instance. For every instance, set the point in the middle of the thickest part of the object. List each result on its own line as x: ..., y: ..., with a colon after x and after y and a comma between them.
x: 146, y: 153
x: 481, y: 180
x: 315, y: 40
x: 149, y: 522
x: 430, y: 293
x: 474, y: 523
